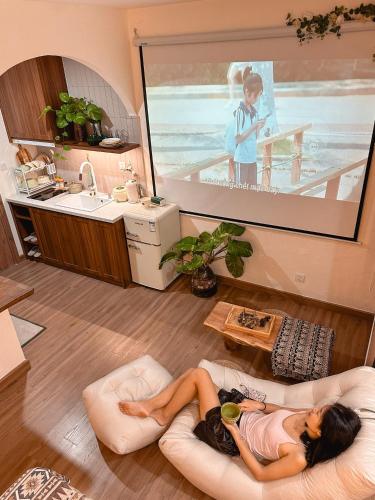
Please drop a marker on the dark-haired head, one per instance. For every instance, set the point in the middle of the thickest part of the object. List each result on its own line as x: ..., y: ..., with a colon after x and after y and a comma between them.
x: 330, y: 430
x: 252, y: 84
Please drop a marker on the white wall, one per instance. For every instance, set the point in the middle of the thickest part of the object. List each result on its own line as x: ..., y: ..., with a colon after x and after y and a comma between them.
x: 336, y: 271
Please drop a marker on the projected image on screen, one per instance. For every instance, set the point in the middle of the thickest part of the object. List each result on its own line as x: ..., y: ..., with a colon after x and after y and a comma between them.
x: 282, y: 143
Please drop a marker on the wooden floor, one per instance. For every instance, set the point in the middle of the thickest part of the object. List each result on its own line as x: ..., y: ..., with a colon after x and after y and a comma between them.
x: 94, y: 327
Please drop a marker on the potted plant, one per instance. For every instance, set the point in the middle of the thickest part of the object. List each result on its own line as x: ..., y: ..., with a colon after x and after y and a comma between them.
x: 94, y: 116
x: 194, y: 255
x: 77, y: 111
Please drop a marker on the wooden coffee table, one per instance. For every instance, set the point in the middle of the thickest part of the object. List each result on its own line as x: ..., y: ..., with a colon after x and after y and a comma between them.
x: 233, y: 339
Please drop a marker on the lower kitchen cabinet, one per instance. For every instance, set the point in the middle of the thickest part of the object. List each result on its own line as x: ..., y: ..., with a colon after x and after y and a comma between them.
x: 87, y: 246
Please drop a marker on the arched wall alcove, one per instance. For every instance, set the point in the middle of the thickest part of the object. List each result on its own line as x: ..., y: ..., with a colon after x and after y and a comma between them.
x: 98, y: 39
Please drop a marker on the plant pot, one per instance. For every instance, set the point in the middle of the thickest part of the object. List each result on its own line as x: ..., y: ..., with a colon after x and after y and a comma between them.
x: 94, y: 133
x: 203, y: 282
x: 79, y: 132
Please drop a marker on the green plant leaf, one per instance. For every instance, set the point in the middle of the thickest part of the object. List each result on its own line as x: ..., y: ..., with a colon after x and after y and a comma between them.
x: 205, y: 236
x: 64, y: 97
x: 61, y: 122
x: 166, y: 257
x: 65, y: 134
x: 206, y: 246
x: 228, y: 229
x: 79, y: 118
x: 239, y: 248
x: 189, y: 266
x: 94, y: 113
x: 66, y: 147
x: 187, y: 244
x: 46, y: 110
x: 82, y: 104
x: 69, y: 117
x: 235, y: 265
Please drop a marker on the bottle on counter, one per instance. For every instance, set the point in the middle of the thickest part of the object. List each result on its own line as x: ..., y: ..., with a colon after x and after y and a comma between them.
x: 132, y: 191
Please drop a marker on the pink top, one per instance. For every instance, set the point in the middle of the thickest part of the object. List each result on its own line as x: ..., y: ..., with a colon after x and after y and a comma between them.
x: 265, y: 433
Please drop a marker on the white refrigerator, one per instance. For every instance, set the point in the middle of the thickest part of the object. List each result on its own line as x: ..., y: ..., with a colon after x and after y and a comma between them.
x: 150, y: 233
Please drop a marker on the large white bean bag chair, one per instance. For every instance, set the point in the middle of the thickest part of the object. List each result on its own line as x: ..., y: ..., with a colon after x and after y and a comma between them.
x: 140, y: 379
x: 349, y: 476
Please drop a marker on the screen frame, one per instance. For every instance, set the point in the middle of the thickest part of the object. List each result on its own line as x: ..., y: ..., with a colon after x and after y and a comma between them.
x: 354, y: 238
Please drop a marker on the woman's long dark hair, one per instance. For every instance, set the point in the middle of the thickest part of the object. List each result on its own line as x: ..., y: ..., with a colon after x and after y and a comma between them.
x: 339, y: 427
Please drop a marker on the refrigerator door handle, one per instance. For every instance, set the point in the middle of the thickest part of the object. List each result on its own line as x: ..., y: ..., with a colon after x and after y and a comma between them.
x: 132, y: 235
x: 130, y: 245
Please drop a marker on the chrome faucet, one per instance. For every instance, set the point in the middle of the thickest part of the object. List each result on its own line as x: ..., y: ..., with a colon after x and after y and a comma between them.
x: 92, y: 187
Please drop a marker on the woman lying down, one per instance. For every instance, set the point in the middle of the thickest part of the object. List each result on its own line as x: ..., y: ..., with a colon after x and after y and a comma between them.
x: 288, y: 439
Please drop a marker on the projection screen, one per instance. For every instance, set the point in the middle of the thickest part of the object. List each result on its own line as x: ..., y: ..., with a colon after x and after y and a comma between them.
x: 264, y: 131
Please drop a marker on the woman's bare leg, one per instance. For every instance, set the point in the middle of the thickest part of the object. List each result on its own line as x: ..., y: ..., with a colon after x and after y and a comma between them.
x: 145, y: 407
x: 197, y: 384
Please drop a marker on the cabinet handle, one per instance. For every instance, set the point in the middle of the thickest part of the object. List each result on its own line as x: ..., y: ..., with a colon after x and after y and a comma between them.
x: 132, y: 234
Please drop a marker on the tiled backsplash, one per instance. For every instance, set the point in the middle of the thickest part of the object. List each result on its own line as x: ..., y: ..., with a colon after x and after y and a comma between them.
x: 84, y: 82
x: 106, y: 167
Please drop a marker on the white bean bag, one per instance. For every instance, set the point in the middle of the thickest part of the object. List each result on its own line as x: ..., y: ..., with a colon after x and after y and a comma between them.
x: 140, y: 379
x: 349, y: 476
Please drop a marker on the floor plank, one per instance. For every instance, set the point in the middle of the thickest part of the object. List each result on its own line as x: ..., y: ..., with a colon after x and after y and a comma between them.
x: 93, y: 327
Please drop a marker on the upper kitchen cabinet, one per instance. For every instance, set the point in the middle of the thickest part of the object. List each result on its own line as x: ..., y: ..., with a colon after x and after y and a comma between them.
x: 25, y: 90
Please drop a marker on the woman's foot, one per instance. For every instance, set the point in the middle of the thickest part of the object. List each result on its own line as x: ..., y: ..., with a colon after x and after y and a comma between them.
x: 136, y: 408
x: 160, y: 417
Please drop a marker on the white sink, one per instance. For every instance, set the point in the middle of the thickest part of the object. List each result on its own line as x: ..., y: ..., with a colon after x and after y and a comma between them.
x: 83, y: 201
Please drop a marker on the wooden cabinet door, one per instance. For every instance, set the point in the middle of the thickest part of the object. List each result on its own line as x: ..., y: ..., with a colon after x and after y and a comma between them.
x: 69, y: 239
x: 46, y: 225
x: 89, y: 258
x: 25, y: 89
x: 108, y: 250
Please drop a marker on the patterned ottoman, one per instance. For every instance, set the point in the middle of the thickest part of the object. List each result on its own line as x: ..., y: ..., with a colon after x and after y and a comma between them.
x: 302, y: 350
x: 42, y: 484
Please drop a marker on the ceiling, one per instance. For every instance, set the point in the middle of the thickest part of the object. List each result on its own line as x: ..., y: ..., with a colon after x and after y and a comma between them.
x: 119, y: 3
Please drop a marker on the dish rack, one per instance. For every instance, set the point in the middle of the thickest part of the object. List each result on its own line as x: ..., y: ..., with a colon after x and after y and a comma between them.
x: 32, y: 179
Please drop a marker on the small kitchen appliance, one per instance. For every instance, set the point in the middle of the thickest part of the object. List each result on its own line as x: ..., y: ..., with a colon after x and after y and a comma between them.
x: 150, y: 233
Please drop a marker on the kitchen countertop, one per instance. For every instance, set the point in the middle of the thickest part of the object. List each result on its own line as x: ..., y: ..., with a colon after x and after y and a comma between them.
x: 112, y: 212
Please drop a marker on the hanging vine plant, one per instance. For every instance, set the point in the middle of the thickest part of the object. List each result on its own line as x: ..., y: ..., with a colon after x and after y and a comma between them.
x: 320, y: 25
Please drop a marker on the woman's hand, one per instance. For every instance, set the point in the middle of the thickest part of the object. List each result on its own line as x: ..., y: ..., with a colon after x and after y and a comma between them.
x: 250, y: 405
x: 232, y: 428
x: 260, y: 124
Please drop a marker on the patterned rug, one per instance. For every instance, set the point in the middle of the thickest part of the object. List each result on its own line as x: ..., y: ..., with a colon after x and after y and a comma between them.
x: 302, y: 350
x: 42, y: 484
x: 26, y: 330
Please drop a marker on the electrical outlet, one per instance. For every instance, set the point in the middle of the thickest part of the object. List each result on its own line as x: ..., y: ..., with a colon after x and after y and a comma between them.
x: 122, y: 166
x: 300, y: 277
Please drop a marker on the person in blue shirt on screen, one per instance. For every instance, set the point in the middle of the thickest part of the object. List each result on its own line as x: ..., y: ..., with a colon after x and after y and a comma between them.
x: 247, y: 127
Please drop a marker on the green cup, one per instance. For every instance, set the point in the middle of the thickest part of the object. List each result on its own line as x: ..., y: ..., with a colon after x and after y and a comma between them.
x: 230, y: 412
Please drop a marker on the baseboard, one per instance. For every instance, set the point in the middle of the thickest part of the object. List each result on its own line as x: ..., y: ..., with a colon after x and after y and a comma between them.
x: 17, y: 372
x: 246, y: 285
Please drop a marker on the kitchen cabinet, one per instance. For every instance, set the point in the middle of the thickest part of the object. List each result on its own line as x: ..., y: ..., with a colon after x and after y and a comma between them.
x: 87, y: 246
x: 25, y: 89
x: 46, y: 227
